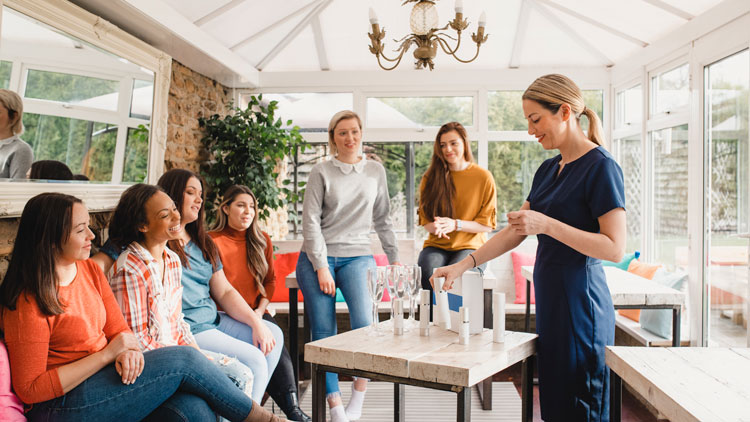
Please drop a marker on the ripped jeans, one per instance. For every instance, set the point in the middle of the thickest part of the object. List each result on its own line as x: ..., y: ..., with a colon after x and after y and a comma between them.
x: 235, y: 370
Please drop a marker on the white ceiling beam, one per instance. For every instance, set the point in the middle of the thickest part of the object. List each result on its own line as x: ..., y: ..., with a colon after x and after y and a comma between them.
x: 547, y: 13
x: 322, y: 4
x: 521, y: 28
x: 271, y: 27
x: 320, y: 44
x: 594, y: 22
x: 671, y: 9
x: 174, y: 21
x: 218, y: 12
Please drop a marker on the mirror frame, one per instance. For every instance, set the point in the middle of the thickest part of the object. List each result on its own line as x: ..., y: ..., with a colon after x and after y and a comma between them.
x: 93, y: 29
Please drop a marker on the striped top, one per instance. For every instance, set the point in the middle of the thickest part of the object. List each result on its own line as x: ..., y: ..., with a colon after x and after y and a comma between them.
x: 150, y: 301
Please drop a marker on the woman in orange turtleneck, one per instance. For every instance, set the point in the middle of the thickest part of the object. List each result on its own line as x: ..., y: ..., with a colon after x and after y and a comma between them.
x: 247, y: 255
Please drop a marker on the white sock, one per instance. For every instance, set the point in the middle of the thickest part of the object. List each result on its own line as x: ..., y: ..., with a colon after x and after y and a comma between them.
x: 338, y: 414
x: 354, y: 408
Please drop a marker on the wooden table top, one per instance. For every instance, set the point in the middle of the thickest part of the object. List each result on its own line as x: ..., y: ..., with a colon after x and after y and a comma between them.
x: 628, y: 289
x: 688, y: 383
x: 437, y: 358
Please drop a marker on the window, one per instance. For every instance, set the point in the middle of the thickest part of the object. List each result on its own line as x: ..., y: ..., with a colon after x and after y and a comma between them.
x: 669, y: 149
x: 311, y: 111
x: 726, y: 138
x: 629, y: 108
x: 415, y: 112
x: 135, y: 168
x: 5, y: 68
x: 79, y: 90
x: 505, y: 112
x: 629, y: 156
x: 670, y: 90
x: 86, y: 147
x: 141, y: 104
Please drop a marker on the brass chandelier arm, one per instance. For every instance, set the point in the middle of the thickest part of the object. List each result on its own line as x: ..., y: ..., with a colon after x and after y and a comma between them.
x: 445, y: 46
x: 441, y: 41
x: 398, y: 60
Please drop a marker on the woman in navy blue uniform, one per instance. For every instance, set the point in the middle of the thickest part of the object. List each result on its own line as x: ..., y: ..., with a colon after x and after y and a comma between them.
x: 576, y: 208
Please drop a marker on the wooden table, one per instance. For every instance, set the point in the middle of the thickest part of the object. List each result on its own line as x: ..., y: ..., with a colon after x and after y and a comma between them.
x: 630, y: 291
x: 685, y: 384
x: 437, y: 361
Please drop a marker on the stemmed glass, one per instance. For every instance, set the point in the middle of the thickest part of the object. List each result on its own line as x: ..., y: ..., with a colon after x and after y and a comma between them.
x: 414, y: 284
x: 392, y: 274
x: 401, y: 286
x: 375, y: 285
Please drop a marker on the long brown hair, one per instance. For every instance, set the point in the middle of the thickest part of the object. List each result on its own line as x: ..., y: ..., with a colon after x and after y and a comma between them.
x: 44, y: 228
x: 436, y: 199
x: 553, y: 90
x: 174, y: 183
x: 254, y: 239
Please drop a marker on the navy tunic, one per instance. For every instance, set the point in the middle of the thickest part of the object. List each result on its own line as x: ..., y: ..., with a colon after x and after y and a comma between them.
x: 575, y: 318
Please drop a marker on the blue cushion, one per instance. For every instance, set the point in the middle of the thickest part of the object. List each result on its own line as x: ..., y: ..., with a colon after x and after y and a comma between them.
x: 339, y: 296
x: 623, y: 265
x: 659, y: 321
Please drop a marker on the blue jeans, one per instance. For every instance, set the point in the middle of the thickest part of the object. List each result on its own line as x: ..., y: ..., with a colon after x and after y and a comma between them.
x: 178, y: 378
x: 350, y: 275
x: 235, y: 339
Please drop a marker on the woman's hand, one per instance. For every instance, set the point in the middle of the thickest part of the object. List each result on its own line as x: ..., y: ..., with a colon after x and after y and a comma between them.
x: 129, y: 364
x: 120, y: 344
x: 263, y: 338
x: 451, y: 273
x: 528, y: 222
x: 443, y: 226
x: 325, y: 280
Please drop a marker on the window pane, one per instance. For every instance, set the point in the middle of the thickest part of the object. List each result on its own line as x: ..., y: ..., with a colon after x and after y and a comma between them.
x: 135, y: 167
x: 310, y: 111
x: 670, y: 187
x: 87, y: 147
x: 414, y: 112
x: 504, y: 110
x: 5, y: 68
x: 727, y: 137
x: 142, y: 100
x: 629, y: 107
x: 513, y: 164
x: 670, y: 90
x: 74, y: 89
x: 594, y: 99
x: 630, y: 158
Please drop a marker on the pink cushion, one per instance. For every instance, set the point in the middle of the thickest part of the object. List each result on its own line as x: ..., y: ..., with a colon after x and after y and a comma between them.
x: 520, y: 260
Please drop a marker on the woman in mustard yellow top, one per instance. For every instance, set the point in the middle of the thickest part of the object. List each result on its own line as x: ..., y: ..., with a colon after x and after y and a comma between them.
x: 457, y: 202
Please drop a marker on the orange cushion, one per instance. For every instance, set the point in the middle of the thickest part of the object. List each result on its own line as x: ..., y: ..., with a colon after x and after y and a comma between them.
x: 646, y: 271
x: 520, y: 260
x: 283, y: 265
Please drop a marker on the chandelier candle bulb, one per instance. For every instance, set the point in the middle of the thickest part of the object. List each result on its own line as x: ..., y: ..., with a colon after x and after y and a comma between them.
x: 483, y: 19
x: 498, y: 317
x: 424, y: 313
x: 373, y: 17
x: 459, y: 6
x: 463, y: 332
x: 398, y: 321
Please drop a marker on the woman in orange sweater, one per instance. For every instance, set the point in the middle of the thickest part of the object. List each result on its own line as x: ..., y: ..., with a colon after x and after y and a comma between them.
x: 64, y: 331
x: 247, y: 254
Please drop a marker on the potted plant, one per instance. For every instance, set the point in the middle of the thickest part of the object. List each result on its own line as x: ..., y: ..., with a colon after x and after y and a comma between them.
x: 248, y: 147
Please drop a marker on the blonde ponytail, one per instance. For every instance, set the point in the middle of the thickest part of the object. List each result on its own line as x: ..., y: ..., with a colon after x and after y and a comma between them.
x: 596, y: 133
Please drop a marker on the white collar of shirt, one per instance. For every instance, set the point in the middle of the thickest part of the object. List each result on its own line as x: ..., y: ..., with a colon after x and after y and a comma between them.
x: 7, y: 141
x: 347, y: 168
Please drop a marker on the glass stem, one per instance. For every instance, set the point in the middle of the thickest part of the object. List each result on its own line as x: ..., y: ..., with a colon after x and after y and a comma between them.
x: 375, y: 316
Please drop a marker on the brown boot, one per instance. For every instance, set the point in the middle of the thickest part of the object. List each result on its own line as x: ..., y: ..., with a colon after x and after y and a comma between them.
x: 259, y: 414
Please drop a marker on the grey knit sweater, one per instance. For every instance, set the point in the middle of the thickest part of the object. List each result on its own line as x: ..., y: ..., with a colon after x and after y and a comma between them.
x: 15, y: 158
x: 342, y: 202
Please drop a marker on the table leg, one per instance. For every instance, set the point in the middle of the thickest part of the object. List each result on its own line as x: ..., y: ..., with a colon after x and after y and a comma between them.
x: 399, y: 402
x: 615, y: 405
x: 484, y: 388
x: 527, y: 389
x: 293, y: 330
x: 676, y: 324
x: 527, y: 317
x: 318, y: 394
x: 463, y: 408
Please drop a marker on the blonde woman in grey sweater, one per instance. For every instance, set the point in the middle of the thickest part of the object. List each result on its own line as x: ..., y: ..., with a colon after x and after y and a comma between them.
x: 15, y: 154
x: 345, y: 196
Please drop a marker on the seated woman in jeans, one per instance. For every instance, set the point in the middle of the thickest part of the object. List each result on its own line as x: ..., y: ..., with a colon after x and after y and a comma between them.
x: 64, y: 331
x: 457, y: 202
x: 145, y: 279
x: 344, y: 197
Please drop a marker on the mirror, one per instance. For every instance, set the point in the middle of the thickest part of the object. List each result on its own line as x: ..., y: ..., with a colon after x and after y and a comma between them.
x: 83, y: 106
x: 95, y: 98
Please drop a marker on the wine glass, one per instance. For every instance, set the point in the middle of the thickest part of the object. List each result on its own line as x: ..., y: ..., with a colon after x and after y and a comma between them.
x: 392, y: 273
x: 401, y: 286
x: 414, y: 284
x: 375, y: 285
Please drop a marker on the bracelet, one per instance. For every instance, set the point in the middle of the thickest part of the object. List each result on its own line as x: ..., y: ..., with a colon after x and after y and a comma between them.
x: 473, y: 259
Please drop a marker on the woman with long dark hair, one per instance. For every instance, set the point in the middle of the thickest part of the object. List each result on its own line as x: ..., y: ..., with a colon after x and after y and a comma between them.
x: 237, y: 330
x: 457, y: 202
x: 247, y: 254
x: 64, y: 332
x: 576, y: 208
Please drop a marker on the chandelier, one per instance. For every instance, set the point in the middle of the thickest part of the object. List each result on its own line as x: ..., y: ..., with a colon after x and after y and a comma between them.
x: 426, y: 35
